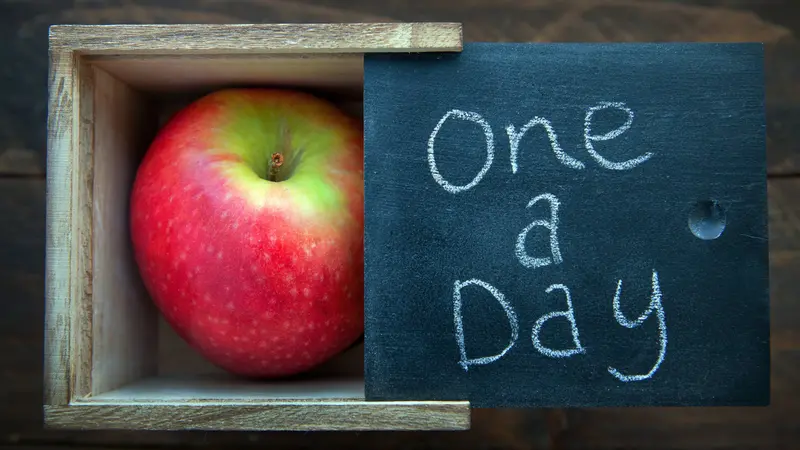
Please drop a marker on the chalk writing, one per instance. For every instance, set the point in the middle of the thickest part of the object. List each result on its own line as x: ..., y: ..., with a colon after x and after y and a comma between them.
x: 487, y: 130
x: 551, y: 225
x: 589, y: 138
x: 569, y: 314
x: 655, y: 305
x: 512, y: 321
x: 514, y: 138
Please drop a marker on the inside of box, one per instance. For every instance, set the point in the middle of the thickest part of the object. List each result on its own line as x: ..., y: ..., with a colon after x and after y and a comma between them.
x: 135, y: 355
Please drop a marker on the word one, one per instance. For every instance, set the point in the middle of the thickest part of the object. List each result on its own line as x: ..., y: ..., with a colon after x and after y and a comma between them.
x: 568, y: 314
x: 514, y: 138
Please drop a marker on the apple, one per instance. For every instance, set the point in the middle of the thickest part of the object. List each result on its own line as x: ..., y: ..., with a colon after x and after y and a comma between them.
x: 246, y: 221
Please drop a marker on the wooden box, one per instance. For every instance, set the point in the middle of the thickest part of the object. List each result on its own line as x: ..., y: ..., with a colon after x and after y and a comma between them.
x: 110, y: 361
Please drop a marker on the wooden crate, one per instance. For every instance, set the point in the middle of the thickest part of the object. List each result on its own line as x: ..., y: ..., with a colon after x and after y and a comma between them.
x: 110, y: 360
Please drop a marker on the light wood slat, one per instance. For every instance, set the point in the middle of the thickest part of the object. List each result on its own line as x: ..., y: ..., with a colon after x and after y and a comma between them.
x: 124, y: 322
x: 253, y: 38
x: 60, y: 140
x: 271, y: 415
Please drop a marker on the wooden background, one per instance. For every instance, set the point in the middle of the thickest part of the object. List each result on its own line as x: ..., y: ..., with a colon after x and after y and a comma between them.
x: 23, y: 100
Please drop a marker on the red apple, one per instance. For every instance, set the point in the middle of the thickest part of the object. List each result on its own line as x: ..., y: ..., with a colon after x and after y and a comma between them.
x: 247, y: 227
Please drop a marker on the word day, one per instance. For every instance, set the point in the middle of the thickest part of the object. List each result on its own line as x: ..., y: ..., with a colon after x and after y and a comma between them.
x: 568, y: 314
x: 551, y: 224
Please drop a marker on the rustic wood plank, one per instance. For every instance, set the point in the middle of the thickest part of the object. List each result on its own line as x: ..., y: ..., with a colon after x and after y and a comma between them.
x: 783, y: 134
x: 251, y: 416
x: 784, y: 214
x: 781, y: 72
x: 59, y: 238
x: 254, y: 38
x: 22, y: 251
x: 784, y: 220
x: 20, y: 162
x: 22, y: 229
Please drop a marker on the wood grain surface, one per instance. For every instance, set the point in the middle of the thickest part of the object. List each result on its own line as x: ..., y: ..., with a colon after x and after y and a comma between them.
x: 172, y: 39
x: 252, y: 416
x: 58, y: 236
x: 23, y: 105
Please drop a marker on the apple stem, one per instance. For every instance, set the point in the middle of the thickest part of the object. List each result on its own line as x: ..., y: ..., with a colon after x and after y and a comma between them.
x: 278, y: 158
x: 275, y: 162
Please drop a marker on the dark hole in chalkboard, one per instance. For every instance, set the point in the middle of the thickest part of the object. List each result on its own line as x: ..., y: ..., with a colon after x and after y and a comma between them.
x: 707, y: 220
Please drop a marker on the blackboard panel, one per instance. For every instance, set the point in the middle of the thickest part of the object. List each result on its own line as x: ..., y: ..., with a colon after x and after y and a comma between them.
x: 642, y: 171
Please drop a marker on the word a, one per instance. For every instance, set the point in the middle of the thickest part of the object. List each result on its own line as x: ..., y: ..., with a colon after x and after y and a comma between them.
x: 568, y: 314
x: 515, y: 136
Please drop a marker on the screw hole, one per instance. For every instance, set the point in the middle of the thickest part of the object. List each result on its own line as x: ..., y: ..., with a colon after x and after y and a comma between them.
x: 707, y: 220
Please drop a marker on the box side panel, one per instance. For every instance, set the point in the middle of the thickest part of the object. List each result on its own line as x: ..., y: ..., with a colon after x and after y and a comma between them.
x: 60, y: 134
x: 222, y: 387
x: 81, y: 214
x: 340, y: 75
x: 260, y: 38
x: 124, y: 325
x: 267, y: 416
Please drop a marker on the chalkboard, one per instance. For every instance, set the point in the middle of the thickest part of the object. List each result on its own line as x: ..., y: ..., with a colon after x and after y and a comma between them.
x: 567, y: 225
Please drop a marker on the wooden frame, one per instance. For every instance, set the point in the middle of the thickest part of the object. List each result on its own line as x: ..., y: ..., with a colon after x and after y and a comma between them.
x: 108, y: 86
